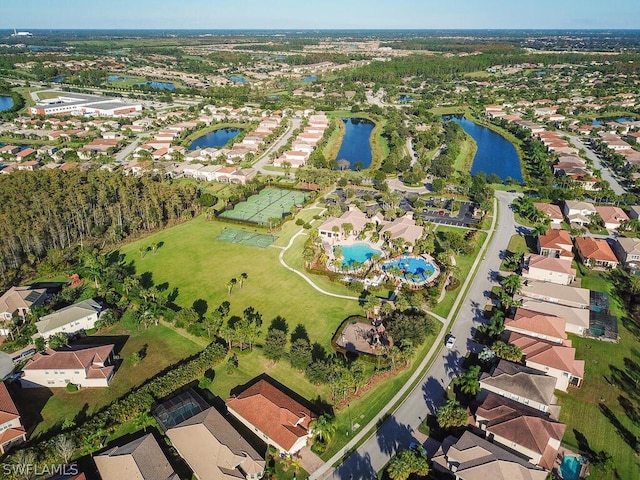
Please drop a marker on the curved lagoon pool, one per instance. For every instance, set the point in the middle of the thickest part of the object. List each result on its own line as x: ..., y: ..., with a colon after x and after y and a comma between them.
x: 412, y: 269
x: 358, y: 252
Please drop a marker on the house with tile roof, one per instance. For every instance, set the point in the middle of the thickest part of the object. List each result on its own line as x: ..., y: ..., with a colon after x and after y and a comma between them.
x: 558, y: 361
x: 552, y: 212
x: 578, y: 212
x: 521, y: 384
x: 275, y: 417
x: 555, y: 243
x: 12, y: 431
x: 214, y: 450
x: 473, y: 458
x: 141, y: 459
x: 627, y: 250
x: 577, y: 319
x: 82, y: 365
x: 405, y: 228
x: 332, y: 227
x: 16, y: 303
x: 568, y: 296
x: 595, y: 253
x: 525, y: 430
x: 612, y: 216
x: 70, y: 320
x: 634, y: 212
x: 535, y: 324
x: 548, y: 269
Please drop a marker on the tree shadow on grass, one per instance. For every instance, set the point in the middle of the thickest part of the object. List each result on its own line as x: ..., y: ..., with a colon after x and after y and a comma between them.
x: 355, y: 467
x: 626, y: 434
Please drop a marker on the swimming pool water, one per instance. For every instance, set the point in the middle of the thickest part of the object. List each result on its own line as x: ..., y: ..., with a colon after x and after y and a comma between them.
x: 414, y: 265
x: 358, y: 252
x: 570, y: 468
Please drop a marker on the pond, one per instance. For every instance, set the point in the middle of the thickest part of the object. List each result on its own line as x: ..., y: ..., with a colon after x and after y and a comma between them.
x: 116, y: 78
x: 310, y: 78
x: 237, y: 79
x: 405, y: 99
x: 356, y: 143
x: 495, y: 153
x: 58, y: 79
x: 599, y: 121
x: 216, y: 139
x: 159, y: 85
x: 6, y: 103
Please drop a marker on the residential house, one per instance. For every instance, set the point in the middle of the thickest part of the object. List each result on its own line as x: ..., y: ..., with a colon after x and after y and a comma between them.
x: 634, y: 212
x: 556, y: 243
x: 595, y: 252
x: 552, y: 212
x: 11, y: 430
x: 275, y: 417
x: 577, y: 318
x: 521, y: 384
x: 562, y: 294
x: 214, y: 450
x: 70, y: 320
x: 548, y: 269
x: 16, y: 303
x: 612, y: 216
x: 627, y: 250
x: 474, y: 458
x: 558, y: 361
x: 141, y: 459
x: 525, y: 430
x: 535, y: 324
x: 578, y: 212
x: 82, y: 365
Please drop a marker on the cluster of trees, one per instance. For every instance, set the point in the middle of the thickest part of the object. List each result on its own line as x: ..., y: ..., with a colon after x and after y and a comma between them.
x: 45, y: 214
x: 442, y: 165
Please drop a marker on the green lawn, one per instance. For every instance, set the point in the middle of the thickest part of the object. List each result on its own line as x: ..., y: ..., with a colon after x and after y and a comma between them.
x: 164, y: 347
x: 464, y: 263
x: 517, y: 244
x: 464, y: 159
x: 606, y: 409
x: 193, y: 261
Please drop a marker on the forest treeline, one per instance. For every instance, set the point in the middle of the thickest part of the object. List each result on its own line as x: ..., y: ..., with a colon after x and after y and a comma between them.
x: 46, y: 214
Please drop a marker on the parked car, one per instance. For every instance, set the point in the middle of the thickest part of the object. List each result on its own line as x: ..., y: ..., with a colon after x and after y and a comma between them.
x: 451, y: 341
x: 416, y: 447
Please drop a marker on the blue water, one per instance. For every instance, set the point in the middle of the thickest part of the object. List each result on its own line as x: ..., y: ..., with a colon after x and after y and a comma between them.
x: 358, y: 252
x: 217, y: 138
x: 570, y: 468
x: 58, y: 79
x: 237, y: 79
x: 599, y: 121
x: 5, y: 103
x: 356, y: 145
x: 414, y: 265
x: 116, y: 78
x: 310, y: 78
x: 495, y: 153
x: 405, y: 99
x: 159, y: 85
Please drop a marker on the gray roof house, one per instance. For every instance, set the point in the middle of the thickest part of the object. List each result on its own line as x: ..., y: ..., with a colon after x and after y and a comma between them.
x: 70, y: 320
x: 627, y: 250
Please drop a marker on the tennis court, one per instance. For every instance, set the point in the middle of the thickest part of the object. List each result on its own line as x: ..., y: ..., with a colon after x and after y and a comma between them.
x: 232, y: 235
x: 269, y: 203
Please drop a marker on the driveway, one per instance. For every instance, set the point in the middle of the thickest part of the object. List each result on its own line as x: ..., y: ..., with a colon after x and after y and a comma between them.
x: 399, y: 430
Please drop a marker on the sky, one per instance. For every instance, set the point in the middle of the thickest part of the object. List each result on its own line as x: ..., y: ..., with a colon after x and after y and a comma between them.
x: 319, y: 14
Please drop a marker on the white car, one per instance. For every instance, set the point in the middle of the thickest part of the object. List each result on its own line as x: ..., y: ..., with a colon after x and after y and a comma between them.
x: 451, y: 340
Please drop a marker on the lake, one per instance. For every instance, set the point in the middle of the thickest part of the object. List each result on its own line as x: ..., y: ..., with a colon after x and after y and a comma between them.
x: 310, y: 78
x: 356, y: 143
x: 159, y: 85
x: 405, y: 99
x: 5, y: 103
x: 237, y: 79
x: 216, y: 139
x: 116, y: 78
x: 599, y: 121
x: 495, y: 153
x: 58, y: 79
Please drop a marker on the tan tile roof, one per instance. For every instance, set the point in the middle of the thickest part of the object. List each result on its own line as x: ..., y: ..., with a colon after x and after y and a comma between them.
x: 21, y: 298
x: 549, y: 263
x: 528, y: 320
x: 274, y: 412
x: 82, y: 356
x: 595, y: 249
x: 549, y: 354
x: 612, y: 214
x: 551, y: 210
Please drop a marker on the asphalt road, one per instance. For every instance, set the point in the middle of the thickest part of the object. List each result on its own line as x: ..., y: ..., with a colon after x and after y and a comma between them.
x: 264, y: 160
x: 399, y: 430
x: 597, y: 163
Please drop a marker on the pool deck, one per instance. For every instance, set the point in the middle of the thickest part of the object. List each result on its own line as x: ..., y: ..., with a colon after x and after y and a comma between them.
x: 562, y: 452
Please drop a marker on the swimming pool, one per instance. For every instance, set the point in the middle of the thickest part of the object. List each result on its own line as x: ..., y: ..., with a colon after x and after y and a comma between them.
x: 358, y: 252
x: 570, y: 467
x: 411, y: 269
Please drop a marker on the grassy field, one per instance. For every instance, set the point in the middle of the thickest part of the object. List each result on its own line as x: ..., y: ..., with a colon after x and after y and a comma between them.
x: 603, y: 414
x: 191, y: 260
x: 464, y: 159
x: 163, y: 347
x: 464, y: 263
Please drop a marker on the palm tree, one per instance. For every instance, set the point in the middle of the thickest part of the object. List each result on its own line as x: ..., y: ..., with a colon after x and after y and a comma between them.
x: 469, y: 382
x: 512, y: 284
x: 230, y: 285
x: 451, y: 415
x: 506, y: 351
x: 243, y: 277
x: 406, y: 463
x: 324, y: 428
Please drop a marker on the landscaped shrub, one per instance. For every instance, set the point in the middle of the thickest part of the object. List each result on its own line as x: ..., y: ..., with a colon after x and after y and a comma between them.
x: 72, y: 387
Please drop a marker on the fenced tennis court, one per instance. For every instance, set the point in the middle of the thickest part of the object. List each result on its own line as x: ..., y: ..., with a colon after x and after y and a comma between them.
x: 269, y: 203
x: 233, y: 235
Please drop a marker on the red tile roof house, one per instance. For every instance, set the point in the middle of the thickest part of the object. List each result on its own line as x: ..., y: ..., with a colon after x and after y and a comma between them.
x: 527, y: 431
x: 596, y: 253
x: 535, y: 324
x: 82, y: 365
x: 555, y: 360
x: 555, y: 243
x: 275, y: 417
x: 612, y: 216
x: 552, y: 211
x: 11, y: 430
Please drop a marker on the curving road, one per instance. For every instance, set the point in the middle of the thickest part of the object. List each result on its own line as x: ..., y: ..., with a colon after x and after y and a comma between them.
x: 400, y: 428
x: 264, y: 159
